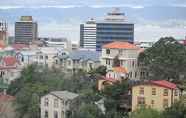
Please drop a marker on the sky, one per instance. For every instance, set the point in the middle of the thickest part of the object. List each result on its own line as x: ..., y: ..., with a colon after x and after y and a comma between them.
x: 61, y: 18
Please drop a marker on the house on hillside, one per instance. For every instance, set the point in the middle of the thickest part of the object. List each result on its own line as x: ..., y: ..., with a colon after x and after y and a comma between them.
x: 58, y: 104
x: 116, y: 74
x: 80, y: 59
x: 127, y: 55
x: 155, y: 94
x: 9, y: 69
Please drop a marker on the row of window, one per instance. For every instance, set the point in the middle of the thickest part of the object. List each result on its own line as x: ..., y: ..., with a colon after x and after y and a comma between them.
x: 131, y: 63
x: 154, y: 92
x: 141, y: 101
x: 55, y: 114
x: 55, y: 103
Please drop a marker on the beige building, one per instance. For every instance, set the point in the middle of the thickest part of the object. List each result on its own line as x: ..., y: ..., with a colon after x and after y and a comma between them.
x: 58, y: 104
x: 127, y: 54
x: 155, y: 94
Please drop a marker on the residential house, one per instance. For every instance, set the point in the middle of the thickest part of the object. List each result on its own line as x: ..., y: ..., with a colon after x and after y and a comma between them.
x: 127, y: 55
x: 47, y: 55
x: 113, y: 75
x: 9, y: 69
x: 80, y: 59
x: 155, y: 94
x: 27, y: 57
x: 58, y: 104
x: 104, y: 82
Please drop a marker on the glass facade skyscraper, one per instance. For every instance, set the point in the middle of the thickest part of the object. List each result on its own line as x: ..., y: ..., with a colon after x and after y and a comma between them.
x: 26, y: 30
x: 114, y: 28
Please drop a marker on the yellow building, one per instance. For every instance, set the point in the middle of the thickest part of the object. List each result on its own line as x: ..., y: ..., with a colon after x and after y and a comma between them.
x: 155, y: 94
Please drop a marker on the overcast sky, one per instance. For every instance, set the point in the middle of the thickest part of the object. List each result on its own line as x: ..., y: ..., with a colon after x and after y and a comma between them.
x: 152, y: 18
x: 89, y: 2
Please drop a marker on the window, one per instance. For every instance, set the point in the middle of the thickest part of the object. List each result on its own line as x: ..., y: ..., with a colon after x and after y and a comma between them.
x: 46, y: 57
x: 62, y: 102
x: 22, y: 59
x: 107, y: 51
x: 46, y: 102
x: 165, y: 103
x: 133, y: 64
x: 46, y: 114
x: 41, y: 57
x: 152, y: 103
x: 141, y: 101
x: 108, y: 61
x: 55, y: 114
x: 141, y: 91
x: 120, y: 52
x: 56, y: 103
x: 165, y: 92
x: 136, y: 74
x: 176, y: 93
x: 66, y: 103
x: 69, y: 62
x: 153, y: 91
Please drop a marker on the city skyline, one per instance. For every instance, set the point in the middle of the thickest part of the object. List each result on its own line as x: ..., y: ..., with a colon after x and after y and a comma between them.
x: 62, y: 19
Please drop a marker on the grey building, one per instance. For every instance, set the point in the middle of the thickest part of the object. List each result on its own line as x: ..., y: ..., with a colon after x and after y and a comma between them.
x: 58, y: 104
x: 88, y: 35
x: 26, y: 30
x: 114, y: 27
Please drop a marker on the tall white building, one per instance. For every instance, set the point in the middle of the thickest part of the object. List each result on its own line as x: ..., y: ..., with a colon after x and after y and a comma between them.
x: 88, y: 34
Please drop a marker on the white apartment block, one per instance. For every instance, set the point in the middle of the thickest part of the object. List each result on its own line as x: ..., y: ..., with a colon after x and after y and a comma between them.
x: 58, y: 104
x: 88, y: 35
x: 127, y: 54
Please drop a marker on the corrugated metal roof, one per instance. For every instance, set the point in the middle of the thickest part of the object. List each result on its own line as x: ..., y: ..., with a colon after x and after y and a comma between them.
x: 85, y: 55
x: 64, y: 94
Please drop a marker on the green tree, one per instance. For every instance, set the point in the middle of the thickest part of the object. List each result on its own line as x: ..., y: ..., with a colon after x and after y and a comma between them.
x: 36, y: 81
x: 99, y: 71
x: 88, y: 111
x: 113, y: 96
x: 178, y: 110
x: 166, y: 59
x: 145, y: 113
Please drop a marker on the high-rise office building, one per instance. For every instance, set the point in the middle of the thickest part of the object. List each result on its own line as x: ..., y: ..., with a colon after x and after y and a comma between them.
x: 26, y: 30
x: 3, y: 33
x: 88, y: 34
x: 114, y: 27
